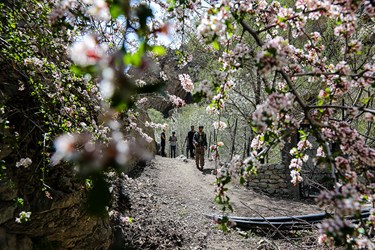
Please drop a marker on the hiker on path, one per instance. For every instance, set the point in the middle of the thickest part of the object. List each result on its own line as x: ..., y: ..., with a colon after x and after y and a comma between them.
x: 200, y: 143
x: 190, y: 144
x: 173, y: 144
x: 162, y: 143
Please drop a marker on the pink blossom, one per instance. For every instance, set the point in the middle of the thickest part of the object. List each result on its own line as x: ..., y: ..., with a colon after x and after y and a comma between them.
x: 186, y: 82
x: 87, y: 51
x: 370, y: 117
x: 304, y: 144
x: 98, y: 9
x: 64, y: 148
x: 220, y: 125
x: 257, y: 143
x: 275, y: 54
x: 296, y: 177
x: 369, y: 8
x: 176, y: 101
x: 320, y: 152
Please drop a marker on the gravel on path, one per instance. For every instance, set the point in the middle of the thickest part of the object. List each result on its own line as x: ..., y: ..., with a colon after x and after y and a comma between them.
x: 170, y: 197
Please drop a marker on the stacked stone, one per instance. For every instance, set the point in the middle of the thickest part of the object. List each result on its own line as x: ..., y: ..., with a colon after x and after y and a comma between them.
x: 272, y: 179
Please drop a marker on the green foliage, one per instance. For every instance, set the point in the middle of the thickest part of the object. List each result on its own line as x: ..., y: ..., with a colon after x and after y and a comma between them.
x: 20, y: 202
x: 44, y: 95
x: 155, y: 116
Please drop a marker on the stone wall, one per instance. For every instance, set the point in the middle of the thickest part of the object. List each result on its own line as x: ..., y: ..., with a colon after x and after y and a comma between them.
x: 273, y: 179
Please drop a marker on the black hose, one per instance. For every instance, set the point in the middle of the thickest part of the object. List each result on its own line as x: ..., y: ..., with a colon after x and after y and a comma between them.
x: 287, y: 222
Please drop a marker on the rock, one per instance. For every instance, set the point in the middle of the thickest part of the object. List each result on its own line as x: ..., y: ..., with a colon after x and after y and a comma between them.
x: 283, y: 185
x: 270, y: 190
x: 280, y: 167
x: 7, y: 192
x: 167, y: 64
x: 7, y: 210
x: 12, y: 241
x: 66, y: 224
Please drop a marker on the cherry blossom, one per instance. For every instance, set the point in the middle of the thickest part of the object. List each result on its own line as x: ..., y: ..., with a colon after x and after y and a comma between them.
x: 98, y: 9
x: 186, y: 82
x: 87, y: 51
x: 220, y: 125
x: 25, y: 162
x: 23, y: 217
x: 176, y: 101
x: 64, y: 146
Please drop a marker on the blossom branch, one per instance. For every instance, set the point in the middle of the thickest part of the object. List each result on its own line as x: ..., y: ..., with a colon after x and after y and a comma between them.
x: 252, y: 32
x: 372, y: 111
x: 361, y: 74
x: 289, y: 19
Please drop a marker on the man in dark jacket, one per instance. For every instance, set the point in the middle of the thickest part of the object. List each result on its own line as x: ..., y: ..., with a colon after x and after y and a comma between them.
x: 162, y: 143
x: 190, y: 144
x: 200, y: 143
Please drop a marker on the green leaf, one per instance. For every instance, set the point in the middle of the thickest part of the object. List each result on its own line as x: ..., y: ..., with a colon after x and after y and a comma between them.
x: 215, y: 45
x: 269, y: 90
x: 115, y: 10
x: 302, y: 133
x: 242, y: 180
x: 76, y: 70
x: 158, y: 50
x: 320, y: 102
x: 366, y: 100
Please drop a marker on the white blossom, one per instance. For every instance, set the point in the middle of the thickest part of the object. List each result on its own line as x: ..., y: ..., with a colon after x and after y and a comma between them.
x: 24, y: 162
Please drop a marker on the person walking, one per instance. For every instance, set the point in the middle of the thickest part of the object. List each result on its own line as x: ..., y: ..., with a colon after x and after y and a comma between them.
x: 162, y: 143
x: 200, y: 143
x: 173, y: 144
x: 190, y: 144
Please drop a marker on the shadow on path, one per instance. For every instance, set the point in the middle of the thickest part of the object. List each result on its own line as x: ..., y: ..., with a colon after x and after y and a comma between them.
x: 207, y: 171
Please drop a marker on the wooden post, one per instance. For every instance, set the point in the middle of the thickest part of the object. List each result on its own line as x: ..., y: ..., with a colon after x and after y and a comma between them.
x: 215, y: 136
x: 234, y: 140
x: 244, y: 146
x: 209, y: 144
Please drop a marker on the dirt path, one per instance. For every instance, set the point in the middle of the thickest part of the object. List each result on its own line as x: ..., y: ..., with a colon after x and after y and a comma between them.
x: 171, y: 198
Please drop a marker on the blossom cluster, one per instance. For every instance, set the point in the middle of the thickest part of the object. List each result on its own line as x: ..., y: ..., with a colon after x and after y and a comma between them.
x: 186, y: 82
x: 88, y: 51
x: 25, y: 162
x: 113, y: 214
x: 98, y: 9
x: 351, y: 143
x: 163, y: 76
x: 234, y: 58
x: 220, y: 125
x: 23, y: 217
x: 275, y: 54
x: 183, y: 60
x: 156, y: 125
x: 214, y: 25
x: 215, y: 150
x: 204, y: 88
x: 176, y: 101
x: 268, y: 113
